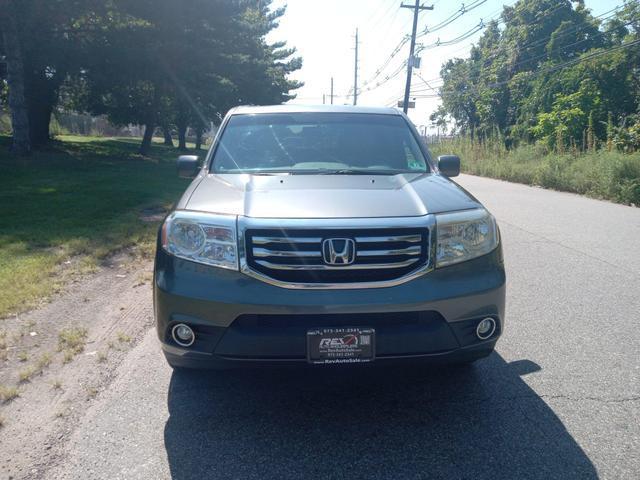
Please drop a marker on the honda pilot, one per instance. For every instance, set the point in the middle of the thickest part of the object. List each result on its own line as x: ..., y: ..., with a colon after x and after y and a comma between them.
x: 325, y: 235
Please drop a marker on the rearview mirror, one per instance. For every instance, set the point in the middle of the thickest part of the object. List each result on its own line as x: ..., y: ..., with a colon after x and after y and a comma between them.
x: 449, y: 165
x: 188, y: 166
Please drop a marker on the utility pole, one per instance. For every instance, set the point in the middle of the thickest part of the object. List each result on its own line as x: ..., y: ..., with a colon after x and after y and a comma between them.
x: 331, y: 90
x: 416, y: 11
x: 355, y: 73
x: 323, y: 99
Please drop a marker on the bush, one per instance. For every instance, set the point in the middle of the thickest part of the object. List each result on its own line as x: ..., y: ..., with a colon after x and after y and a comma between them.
x: 601, y: 174
x: 5, y: 123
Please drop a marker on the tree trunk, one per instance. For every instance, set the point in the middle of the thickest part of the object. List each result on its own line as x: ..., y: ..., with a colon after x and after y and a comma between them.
x: 145, y: 146
x: 15, y: 80
x: 40, y: 119
x: 151, y: 120
x: 168, y: 141
x: 182, y: 138
x: 198, y: 138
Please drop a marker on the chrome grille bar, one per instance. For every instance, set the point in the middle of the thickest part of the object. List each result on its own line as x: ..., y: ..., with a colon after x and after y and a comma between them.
x: 390, y: 238
x: 266, y: 240
x: 415, y: 250
x: 353, y: 266
x: 265, y: 252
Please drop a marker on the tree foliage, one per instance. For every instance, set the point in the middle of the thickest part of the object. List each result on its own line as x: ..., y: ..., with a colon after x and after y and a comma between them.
x: 157, y: 63
x: 549, y: 68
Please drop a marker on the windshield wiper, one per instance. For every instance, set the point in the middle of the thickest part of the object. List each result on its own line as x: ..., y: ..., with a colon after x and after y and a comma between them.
x: 339, y: 171
x: 347, y: 171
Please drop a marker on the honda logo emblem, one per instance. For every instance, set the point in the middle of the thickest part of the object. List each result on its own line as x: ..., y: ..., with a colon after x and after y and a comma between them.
x: 338, y: 251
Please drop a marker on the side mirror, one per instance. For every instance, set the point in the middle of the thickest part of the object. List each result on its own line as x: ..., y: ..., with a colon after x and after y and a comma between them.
x: 449, y: 165
x: 188, y: 166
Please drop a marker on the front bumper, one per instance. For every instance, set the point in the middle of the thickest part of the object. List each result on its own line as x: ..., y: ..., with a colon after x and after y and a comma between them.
x: 241, y: 321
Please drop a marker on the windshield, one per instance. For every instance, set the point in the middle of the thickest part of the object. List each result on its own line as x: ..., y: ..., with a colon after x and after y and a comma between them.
x: 332, y: 143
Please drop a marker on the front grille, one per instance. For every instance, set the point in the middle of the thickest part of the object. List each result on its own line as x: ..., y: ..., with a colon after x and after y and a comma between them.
x: 296, y: 255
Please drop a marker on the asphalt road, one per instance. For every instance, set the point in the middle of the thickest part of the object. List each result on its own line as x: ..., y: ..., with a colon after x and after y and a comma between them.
x: 559, y: 399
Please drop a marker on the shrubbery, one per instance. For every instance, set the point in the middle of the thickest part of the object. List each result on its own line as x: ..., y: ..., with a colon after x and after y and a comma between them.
x: 5, y: 123
x: 610, y: 175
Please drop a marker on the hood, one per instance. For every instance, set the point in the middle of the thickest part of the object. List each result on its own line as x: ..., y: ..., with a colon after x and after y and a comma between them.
x: 326, y: 196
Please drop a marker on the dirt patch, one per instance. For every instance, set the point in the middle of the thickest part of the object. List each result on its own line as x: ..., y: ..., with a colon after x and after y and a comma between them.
x: 154, y: 214
x: 59, y: 357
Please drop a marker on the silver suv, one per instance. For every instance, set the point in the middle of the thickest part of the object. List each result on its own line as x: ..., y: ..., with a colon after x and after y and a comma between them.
x: 325, y: 235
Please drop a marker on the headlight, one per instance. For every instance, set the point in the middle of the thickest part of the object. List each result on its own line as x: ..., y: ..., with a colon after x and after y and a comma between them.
x: 202, y: 238
x: 464, y: 235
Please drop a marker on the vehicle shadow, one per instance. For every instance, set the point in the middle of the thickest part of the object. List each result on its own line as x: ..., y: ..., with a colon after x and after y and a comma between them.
x: 474, y: 422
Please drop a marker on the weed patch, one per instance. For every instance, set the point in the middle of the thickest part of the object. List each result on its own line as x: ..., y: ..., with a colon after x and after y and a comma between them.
x: 600, y: 174
x: 8, y: 393
x: 71, y: 342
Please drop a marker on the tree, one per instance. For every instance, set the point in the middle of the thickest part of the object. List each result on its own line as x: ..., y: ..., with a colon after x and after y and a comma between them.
x: 159, y: 63
x: 574, y: 113
x: 15, y: 79
x: 185, y: 63
x: 459, y: 94
x: 546, y: 72
x: 439, y: 119
x: 48, y: 35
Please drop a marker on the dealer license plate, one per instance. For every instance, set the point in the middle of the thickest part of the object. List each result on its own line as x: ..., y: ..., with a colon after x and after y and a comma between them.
x: 341, y: 345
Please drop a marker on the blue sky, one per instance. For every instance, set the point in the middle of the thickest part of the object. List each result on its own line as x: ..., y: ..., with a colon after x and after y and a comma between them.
x: 323, y: 32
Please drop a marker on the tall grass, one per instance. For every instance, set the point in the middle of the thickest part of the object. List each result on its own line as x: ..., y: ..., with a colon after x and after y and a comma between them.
x: 600, y: 174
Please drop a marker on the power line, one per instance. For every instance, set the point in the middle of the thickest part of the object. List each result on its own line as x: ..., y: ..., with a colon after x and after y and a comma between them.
x: 575, y: 29
x: 548, y: 54
x: 373, y: 12
x: 379, y: 31
x: 453, y: 41
x: 603, y: 16
x: 392, y: 101
x: 482, y: 24
x: 426, y: 83
x: 494, y: 15
x: 449, y: 20
x: 385, y: 15
x: 575, y: 61
x: 549, y: 69
x: 387, y: 78
x: 388, y: 60
x: 569, y: 63
x: 452, y: 18
x: 405, y: 39
x: 462, y: 38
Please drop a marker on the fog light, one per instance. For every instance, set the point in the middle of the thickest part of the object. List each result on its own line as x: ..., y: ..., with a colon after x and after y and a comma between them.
x: 485, y: 328
x: 183, y: 335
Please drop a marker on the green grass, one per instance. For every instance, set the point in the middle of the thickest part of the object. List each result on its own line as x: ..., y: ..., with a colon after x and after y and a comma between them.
x: 601, y: 174
x: 79, y: 199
